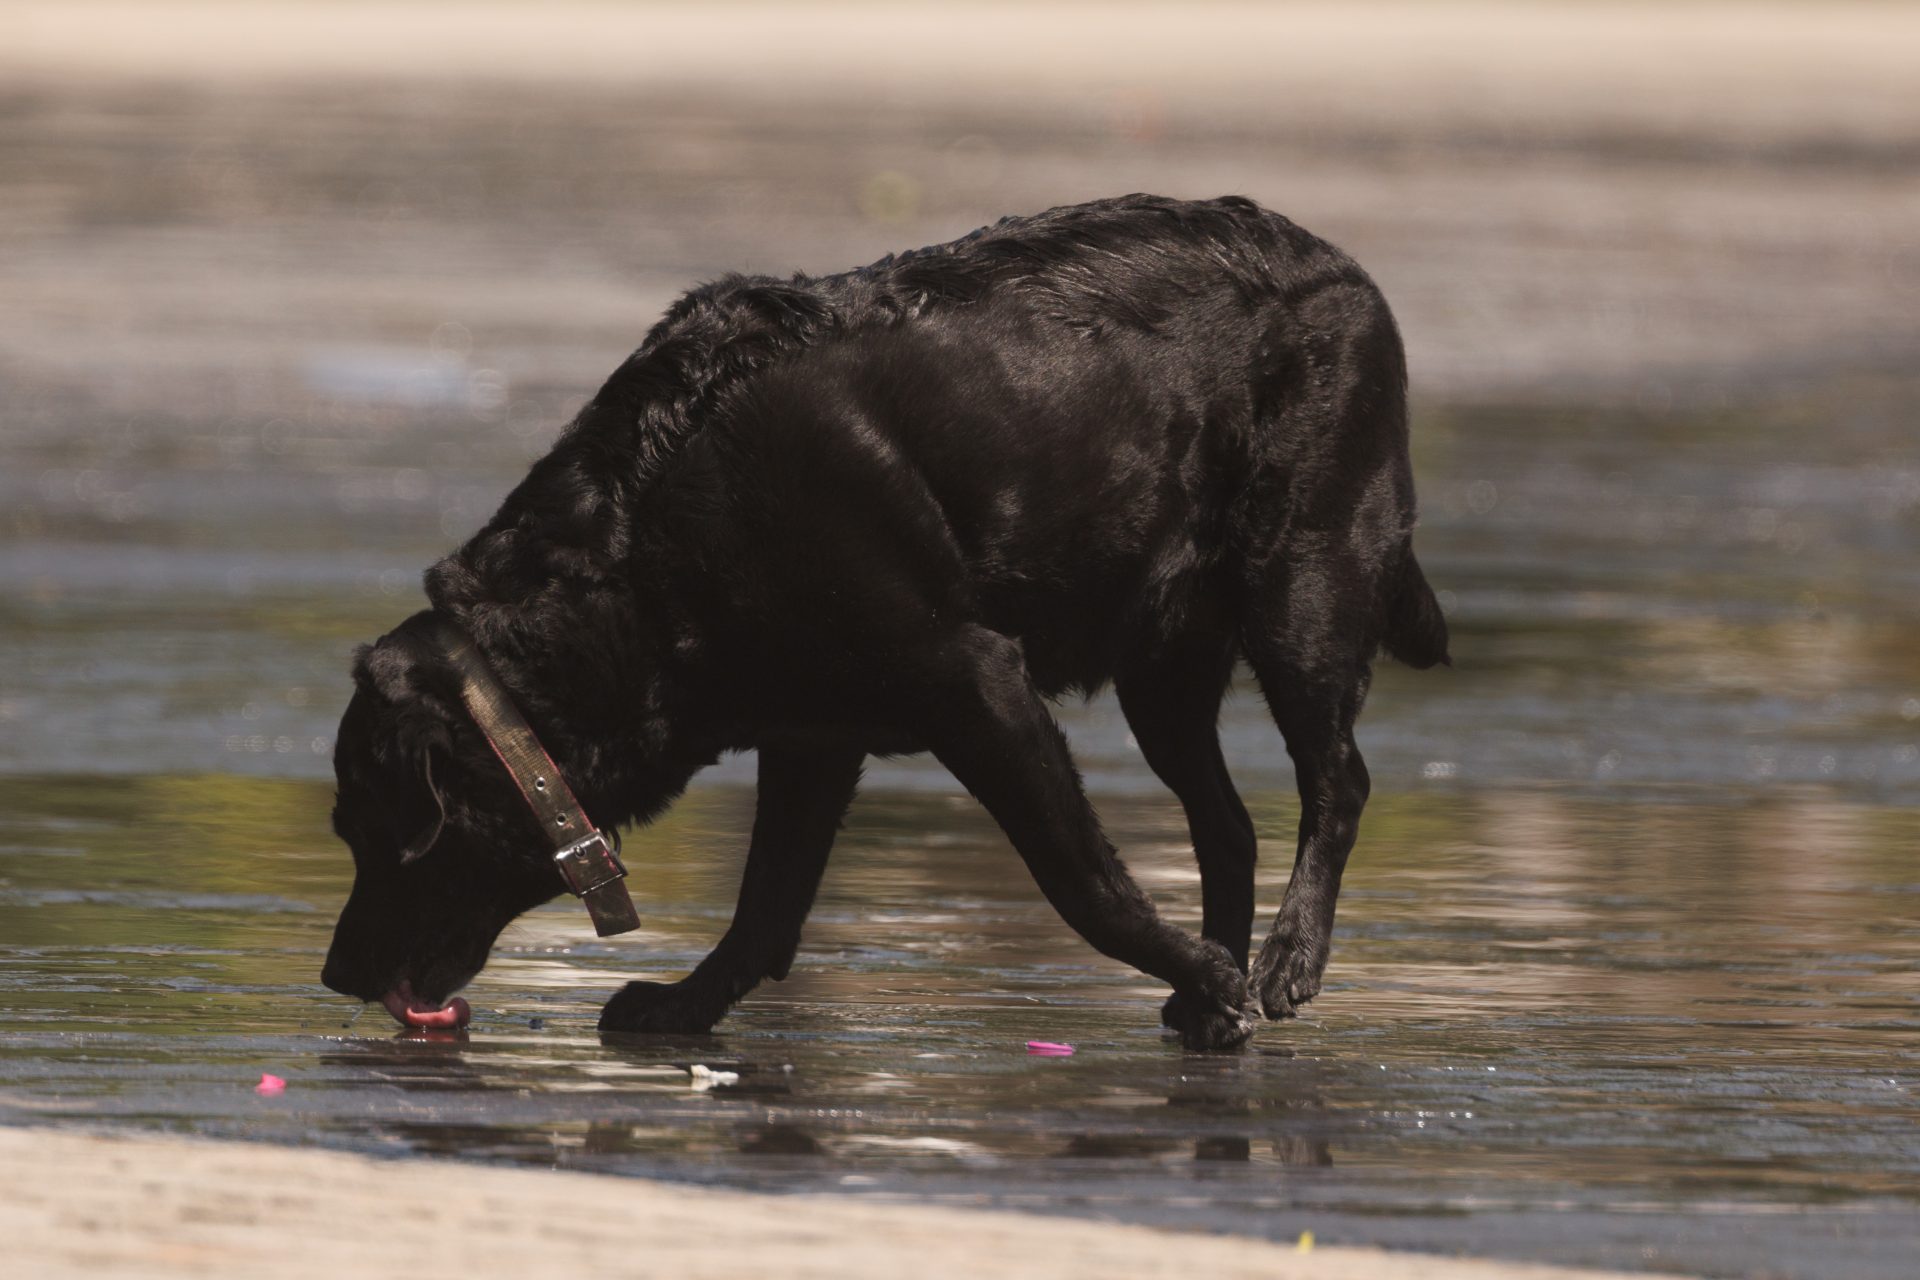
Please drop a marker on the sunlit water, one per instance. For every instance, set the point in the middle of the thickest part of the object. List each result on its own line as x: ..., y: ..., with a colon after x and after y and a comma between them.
x: 1627, y: 962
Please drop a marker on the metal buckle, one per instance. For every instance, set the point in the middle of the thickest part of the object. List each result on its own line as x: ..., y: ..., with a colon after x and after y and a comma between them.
x: 588, y: 863
x: 594, y: 873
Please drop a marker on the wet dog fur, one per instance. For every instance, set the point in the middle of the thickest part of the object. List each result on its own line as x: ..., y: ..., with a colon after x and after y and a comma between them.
x: 901, y: 509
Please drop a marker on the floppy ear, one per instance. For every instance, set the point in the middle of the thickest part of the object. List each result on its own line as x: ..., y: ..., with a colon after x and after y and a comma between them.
x: 414, y: 725
x: 432, y: 834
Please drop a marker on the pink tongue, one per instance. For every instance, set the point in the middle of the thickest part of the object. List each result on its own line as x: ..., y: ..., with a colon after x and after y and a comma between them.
x: 410, y: 1011
x: 454, y: 1013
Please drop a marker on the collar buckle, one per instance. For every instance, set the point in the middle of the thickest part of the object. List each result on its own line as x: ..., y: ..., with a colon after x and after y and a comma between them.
x: 594, y: 873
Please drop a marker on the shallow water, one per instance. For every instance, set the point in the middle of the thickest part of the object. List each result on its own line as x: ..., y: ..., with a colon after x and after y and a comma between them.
x: 1674, y: 1033
x: 1627, y: 962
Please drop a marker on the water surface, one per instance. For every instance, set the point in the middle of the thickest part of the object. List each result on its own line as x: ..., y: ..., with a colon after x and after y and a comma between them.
x: 1673, y: 1033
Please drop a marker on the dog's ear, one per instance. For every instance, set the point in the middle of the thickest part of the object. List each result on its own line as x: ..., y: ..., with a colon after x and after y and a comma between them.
x: 426, y: 840
x: 406, y: 665
x: 410, y: 684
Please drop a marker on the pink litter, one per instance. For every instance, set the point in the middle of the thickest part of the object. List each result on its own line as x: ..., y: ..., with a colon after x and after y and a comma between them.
x: 1048, y: 1049
x: 270, y: 1084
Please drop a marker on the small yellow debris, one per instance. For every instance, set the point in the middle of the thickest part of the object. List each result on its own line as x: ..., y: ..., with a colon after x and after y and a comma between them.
x: 1306, y: 1242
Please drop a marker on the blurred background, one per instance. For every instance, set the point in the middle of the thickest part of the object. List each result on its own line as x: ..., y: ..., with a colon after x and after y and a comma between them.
x: 292, y: 292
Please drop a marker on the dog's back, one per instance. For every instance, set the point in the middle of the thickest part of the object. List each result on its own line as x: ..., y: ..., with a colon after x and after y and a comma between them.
x: 1097, y: 417
x: 1191, y: 272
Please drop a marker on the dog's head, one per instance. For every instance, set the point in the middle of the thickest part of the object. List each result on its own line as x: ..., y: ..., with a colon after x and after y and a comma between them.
x: 445, y: 852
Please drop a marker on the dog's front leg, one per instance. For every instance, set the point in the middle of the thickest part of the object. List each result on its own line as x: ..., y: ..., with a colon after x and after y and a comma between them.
x: 802, y: 797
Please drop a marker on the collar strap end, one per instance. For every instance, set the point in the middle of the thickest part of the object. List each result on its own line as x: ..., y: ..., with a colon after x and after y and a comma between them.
x: 594, y: 874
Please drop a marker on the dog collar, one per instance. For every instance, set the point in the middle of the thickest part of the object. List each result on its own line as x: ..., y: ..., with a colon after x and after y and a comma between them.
x: 586, y: 857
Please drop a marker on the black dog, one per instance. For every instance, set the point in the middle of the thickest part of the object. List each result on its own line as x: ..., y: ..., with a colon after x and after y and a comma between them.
x: 898, y: 510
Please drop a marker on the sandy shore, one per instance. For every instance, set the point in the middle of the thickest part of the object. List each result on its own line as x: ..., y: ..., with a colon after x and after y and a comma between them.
x: 1752, y: 68
x: 85, y: 1205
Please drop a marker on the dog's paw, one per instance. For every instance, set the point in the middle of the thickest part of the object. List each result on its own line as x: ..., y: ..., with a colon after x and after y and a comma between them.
x: 1286, y: 976
x: 1177, y: 1011
x: 1217, y: 1030
x: 660, y: 1008
x: 1222, y: 1016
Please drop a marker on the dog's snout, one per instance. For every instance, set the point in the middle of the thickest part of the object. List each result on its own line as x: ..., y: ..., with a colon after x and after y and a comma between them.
x: 352, y: 967
x: 349, y: 979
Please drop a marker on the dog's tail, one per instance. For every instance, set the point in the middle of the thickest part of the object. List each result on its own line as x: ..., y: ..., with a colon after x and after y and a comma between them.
x: 1416, y: 630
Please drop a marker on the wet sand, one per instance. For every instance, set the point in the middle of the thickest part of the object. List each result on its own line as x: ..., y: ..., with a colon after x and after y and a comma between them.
x: 83, y: 1205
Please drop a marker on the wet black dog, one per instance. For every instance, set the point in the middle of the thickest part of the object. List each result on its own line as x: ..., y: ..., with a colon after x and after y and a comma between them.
x: 898, y: 510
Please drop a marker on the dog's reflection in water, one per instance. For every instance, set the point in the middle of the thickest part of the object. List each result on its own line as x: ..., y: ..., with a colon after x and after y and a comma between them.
x: 1292, y: 1149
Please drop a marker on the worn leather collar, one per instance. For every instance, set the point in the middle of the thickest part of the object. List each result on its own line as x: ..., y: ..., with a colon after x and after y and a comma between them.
x: 587, y: 859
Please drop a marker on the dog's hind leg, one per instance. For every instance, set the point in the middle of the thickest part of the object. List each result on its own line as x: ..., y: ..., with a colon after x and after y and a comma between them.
x: 1172, y: 703
x: 1310, y: 639
x: 802, y: 797
x: 1173, y: 706
x: 989, y: 725
x: 1324, y: 533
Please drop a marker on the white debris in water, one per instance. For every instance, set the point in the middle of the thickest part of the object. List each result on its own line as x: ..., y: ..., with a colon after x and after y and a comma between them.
x: 942, y: 1146
x: 705, y: 1077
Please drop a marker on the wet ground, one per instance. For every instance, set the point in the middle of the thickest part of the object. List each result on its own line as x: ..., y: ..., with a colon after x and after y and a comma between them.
x: 1628, y: 953
x: 1677, y: 1033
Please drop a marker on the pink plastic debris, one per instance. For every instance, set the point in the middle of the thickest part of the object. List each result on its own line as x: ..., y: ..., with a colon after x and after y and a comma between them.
x: 1048, y: 1049
x: 270, y: 1084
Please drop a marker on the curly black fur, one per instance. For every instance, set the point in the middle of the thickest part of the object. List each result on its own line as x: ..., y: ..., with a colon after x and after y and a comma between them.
x: 896, y: 510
